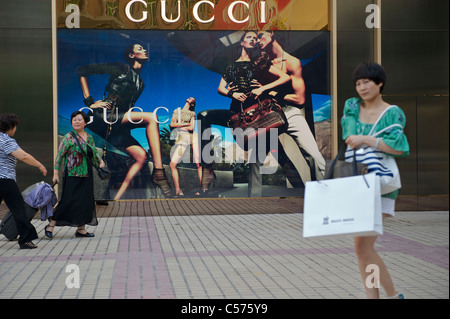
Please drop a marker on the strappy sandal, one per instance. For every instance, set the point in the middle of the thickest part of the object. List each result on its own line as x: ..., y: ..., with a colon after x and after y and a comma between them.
x: 179, y: 195
x: 28, y: 245
x: 159, y: 179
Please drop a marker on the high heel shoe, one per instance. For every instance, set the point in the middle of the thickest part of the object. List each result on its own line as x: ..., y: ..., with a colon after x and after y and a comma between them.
x: 208, y: 179
x: 48, y: 233
x: 159, y: 179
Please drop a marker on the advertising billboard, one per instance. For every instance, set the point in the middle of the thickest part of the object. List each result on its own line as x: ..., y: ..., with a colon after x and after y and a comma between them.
x: 198, y: 98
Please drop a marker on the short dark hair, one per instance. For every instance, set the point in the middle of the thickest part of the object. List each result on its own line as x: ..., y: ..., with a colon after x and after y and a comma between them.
x: 8, y: 121
x: 372, y: 71
x: 126, y: 55
x: 84, y: 115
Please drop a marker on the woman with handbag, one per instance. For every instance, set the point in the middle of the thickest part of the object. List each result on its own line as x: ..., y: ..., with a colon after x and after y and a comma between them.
x: 362, y: 116
x: 239, y: 83
x: 77, y: 154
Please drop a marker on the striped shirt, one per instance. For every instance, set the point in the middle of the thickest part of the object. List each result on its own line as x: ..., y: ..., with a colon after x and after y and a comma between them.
x: 7, y: 161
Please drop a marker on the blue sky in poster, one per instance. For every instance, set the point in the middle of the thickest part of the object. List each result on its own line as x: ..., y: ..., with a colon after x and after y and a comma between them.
x: 170, y: 77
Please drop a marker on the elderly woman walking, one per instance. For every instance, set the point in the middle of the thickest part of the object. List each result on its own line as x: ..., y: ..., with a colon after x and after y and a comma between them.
x: 10, y: 152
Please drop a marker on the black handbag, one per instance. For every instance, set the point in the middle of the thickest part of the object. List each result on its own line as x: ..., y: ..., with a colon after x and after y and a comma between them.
x: 103, y: 172
x: 338, y: 168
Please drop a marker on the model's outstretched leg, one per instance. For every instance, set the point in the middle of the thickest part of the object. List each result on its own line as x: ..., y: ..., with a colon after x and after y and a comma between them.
x: 176, y: 157
x: 150, y: 122
x: 140, y: 156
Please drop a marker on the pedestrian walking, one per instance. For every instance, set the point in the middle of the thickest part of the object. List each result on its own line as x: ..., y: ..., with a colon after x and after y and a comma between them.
x: 360, y: 116
x: 10, y: 152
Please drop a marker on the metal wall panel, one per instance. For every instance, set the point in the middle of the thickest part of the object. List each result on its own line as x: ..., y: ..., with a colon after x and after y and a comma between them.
x: 26, y: 80
x: 433, y: 144
x: 416, y: 62
x: 415, y: 15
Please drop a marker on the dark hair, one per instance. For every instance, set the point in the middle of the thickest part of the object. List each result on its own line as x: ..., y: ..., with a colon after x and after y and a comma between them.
x: 372, y: 71
x: 238, y: 48
x: 261, y: 62
x: 8, y: 121
x: 126, y: 55
x: 84, y: 115
x: 245, y: 33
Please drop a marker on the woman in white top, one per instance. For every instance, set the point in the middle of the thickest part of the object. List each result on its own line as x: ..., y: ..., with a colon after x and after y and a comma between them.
x: 183, y: 121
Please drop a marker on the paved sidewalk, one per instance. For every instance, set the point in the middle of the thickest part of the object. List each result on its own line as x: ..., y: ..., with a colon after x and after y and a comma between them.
x: 185, y: 249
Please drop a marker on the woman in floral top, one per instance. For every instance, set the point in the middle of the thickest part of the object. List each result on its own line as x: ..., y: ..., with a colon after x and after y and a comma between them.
x: 77, y: 205
x: 360, y: 114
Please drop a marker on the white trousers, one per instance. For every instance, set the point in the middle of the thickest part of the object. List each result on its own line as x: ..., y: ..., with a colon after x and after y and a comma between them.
x: 306, y: 158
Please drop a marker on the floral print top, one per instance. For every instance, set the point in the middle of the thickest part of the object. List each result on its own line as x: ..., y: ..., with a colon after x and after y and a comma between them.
x: 70, y: 156
x: 395, y: 137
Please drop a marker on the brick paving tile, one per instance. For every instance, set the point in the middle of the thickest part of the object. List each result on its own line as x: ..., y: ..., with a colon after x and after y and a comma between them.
x: 193, y: 249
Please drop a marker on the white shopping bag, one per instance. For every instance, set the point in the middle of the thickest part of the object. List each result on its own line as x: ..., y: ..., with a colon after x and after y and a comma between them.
x: 343, y: 206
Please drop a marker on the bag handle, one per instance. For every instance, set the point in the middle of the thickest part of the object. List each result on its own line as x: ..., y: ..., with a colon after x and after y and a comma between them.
x: 387, y: 128
x: 333, y: 164
x: 378, y: 120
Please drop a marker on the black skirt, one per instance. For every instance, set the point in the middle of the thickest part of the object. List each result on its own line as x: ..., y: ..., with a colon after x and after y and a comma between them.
x: 77, y: 205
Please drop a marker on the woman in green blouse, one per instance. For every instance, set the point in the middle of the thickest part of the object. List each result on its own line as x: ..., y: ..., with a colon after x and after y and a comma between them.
x: 77, y: 206
x: 359, y: 116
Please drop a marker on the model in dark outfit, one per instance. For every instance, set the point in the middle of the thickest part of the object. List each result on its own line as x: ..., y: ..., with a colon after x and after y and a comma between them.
x: 122, y: 91
x: 239, y: 82
x: 124, y: 88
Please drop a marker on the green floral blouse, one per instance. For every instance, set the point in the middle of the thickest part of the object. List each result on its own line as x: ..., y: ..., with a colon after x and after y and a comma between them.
x: 395, y: 137
x: 70, y: 156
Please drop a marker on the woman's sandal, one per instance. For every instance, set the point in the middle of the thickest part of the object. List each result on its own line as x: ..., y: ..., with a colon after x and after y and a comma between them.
x: 159, y: 179
x: 48, y: 233
x: 28, y: 245
x: 179, y: 195
x: 397, y: 296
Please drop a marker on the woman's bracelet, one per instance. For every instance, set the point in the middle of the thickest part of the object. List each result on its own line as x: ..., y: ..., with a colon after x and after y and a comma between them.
x: 377, y: 142
x: 230, y: 94
x: 88, y: 101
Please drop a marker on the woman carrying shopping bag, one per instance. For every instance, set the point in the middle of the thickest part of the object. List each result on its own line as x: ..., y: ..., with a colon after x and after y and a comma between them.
x: 362, y: 116
x: 77, y: 206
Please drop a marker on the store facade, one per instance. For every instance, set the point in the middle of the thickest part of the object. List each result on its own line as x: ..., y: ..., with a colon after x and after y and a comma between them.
x: 191, y: 43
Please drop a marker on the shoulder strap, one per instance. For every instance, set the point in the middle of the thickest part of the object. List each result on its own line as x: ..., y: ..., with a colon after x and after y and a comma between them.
x: 387, y: 128
x: 78, y: 142
x: 378, y: 120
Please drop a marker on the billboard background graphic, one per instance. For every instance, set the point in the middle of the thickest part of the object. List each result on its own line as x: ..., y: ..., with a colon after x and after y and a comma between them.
x: 184, y: 64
